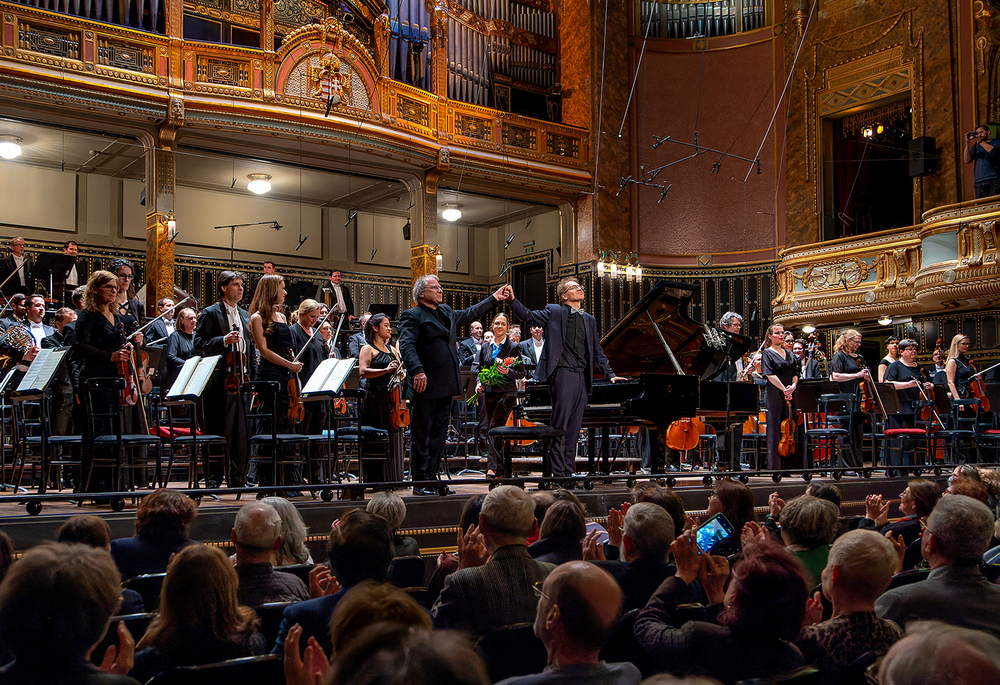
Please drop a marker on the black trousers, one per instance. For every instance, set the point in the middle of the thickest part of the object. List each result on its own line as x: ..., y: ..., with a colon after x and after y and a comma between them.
x: 428, y: 431
x: 777, y: 410
x: 569, y: 399
x: 496, y: 408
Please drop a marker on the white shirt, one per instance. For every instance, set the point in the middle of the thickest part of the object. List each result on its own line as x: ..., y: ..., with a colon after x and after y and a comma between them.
x: 340, y: 307
x: 18, y: 262
x: 71, y: 277
x: 233, y: 314
x: 539, y: 344
x: 37, y: 332
x: 169, y: 324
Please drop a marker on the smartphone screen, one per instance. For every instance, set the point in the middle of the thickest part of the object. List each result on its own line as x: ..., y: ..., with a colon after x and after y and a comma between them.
x: 713, y: 531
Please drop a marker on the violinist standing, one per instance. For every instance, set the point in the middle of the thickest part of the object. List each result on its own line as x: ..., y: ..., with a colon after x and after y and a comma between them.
x: 781, y: 369
x: 378, y: 362
x: 959, y: 369
x: 220, y: 326
x: 97, y: 351
x: 849, y: 371
x: 315, y: 351
x: 891, y: 356
x: 907, y: 377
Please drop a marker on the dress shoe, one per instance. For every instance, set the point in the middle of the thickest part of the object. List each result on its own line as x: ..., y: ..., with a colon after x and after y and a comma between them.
x: 423, y: 492
x: 444, y: 490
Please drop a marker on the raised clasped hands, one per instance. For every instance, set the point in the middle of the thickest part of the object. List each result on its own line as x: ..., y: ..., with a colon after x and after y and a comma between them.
x: 504, y: 292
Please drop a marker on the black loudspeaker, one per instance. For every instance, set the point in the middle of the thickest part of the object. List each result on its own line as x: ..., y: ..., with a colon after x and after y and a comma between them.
x: 921, y: 156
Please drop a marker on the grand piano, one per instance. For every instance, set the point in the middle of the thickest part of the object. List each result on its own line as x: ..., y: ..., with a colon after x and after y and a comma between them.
x: 670, y: 360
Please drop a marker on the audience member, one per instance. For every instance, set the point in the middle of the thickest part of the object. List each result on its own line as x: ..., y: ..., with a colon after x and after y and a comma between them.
x: 484, y: 595
x: 55, y: 605
x: 447, y: 562
x: 916, y: 503
x: 93, y: 531
x: 808, y: 527
x: 257, y: 536
x: 764, y: 608
x: 935, y: 654
x: 6, y: 554
x: 970, y: 488
x: 200, y: 620
x: 647, y: 533
x: 360, y: 549
x: 958, y: 533
x: 734, y: 500
x: 649, y: 491
x: 292, y: 549
x: 579, y: 606
x: 162, y: 523
x: 561, y: 534
x: 860, y: 565
x: 391, y: 507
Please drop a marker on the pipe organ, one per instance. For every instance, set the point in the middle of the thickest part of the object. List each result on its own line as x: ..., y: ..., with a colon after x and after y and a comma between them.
x: 701, y: 19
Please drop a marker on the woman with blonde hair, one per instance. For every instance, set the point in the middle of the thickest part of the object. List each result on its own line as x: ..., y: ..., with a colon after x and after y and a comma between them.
x: 848, y: 369
x: 781, y: 368
x: 200, y: 620
x: 497, y: 400
x: 313, y: 351
x: 959, y: 369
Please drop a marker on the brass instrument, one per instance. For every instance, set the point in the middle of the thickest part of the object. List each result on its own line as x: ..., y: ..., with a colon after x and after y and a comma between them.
x: 18, y: 340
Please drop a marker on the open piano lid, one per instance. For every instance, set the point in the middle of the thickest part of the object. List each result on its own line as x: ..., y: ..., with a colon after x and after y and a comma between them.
x: 633, y: 346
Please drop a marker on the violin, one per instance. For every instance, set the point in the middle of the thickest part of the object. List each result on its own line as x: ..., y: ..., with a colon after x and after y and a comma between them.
x: 786, y: 445
x: 236, y: 362
x: 977, y: 388
x: 296, y: 408
x: 399, y: 415
x: 143, y: 373
x: 130, y: 393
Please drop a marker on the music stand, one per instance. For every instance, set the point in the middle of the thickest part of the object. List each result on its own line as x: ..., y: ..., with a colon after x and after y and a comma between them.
x: 890, y: 399
x: 47, y: 264
x: 808, y: 392
x: 389, y: 309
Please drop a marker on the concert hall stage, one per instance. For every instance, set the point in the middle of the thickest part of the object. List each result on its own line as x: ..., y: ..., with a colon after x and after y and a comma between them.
x: 433, y: 521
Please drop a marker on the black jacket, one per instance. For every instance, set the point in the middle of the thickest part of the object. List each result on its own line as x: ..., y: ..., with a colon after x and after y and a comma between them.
x: 213, y: 325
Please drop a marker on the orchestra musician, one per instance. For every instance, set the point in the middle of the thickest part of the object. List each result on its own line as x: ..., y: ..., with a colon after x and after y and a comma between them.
x: 378, y: 362
x: 497, y: 400
x: 179, y: 348
x: 428, y: 345
x: 163, y: 327
x: 906, y: 377
x: 808, y: 368
x: 128, y: 306
x: 316, y: 350
x: 781, y: 369
x: 849, y: 371
x: 273, y: 339
x: 220, y: 326
x: 571, y: 351
x: 97, y: 350
x: 20, y: 265
x: 958, y: 369
x: 732, y: 440
x: 891, y: 356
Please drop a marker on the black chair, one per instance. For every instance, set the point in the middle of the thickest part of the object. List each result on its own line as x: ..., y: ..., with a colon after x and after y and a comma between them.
x: 908, y: 577
x: 273, y: 449
x: 148, y: 586
x: 405, y: 572
x: 106, y: 432
x: 916, y: 440
x: 965, y: 414
x: 251, y: 670
x: 374, y: 445
x: 624, y: 647
x: 136, y: 624
x: 512, y: 650
x: 182, y: 432
x: 33, y: 438
x: 270, y: 615
x: 299, y: 570
x: 511, y: 434
x: 829, y: 433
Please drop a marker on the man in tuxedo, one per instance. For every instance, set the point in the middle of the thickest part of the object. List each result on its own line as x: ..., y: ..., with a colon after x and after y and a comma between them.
x: 340, y: 296
x: 220, y: 326
x: 531, y: 349
x: 48, y: 337
x: 19, y: 264
x: 427, y: 343
x: 808, y: 368
x: 162, y: 328
x: 76, y: 274
x: 567, y: 363
x: 468, y: 350
x: 15, y: 313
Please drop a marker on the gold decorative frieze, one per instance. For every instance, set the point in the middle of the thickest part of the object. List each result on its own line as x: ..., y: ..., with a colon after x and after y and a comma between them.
x: 519, y: 136
x: 222, y: 72
x: 845, y: 274
x: 564, y: 146
x: 473, y: 127
x: 977, y: 243
x: 49, y: 41
x: 121, y: 55
x: 412, y: 110
x: 897, y: 267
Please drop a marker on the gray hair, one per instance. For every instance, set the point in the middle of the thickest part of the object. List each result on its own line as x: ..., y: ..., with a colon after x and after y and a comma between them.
x: 389, y: 506
x: 962, y: 528
x: 650, y: 531
x: 810, y: 521
x: 293, y: 548
x: 729, y: 317
x: 509, y: 510
x: 865, y: 561
x: 933, y: 653
x: 421, y: 285
x: 257, y: 526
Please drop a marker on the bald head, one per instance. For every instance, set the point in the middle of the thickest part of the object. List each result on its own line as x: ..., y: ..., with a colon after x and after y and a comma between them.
x: 936, y: 654
x: 257, y: 527
x: 589, y: 604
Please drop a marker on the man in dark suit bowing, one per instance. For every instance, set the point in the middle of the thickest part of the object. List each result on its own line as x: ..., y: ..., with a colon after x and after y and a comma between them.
x: 567, y: 363
x: 430, y: 353
x: 220, y: 326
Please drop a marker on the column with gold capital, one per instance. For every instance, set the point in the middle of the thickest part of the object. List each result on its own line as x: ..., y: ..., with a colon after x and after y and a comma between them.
x: 161, y: 227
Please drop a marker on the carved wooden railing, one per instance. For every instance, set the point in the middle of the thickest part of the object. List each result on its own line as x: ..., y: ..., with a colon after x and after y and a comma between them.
x: 948, y: 262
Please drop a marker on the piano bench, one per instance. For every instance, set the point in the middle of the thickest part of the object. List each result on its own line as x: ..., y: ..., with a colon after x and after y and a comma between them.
x: 538, y: 433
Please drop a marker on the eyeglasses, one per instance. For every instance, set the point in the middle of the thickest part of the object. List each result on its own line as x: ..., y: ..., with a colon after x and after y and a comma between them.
x: 537, y: 587
x: 905, y: 493
x: 127, y: 277
x: 111, y: 288
x: 576, y: 286
x: 964, y: 342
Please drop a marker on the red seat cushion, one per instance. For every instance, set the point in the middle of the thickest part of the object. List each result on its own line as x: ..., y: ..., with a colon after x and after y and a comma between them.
x: 164, y: 432
x: 905, y: 431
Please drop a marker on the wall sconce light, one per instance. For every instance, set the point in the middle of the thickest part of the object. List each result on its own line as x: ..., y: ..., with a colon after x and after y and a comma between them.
x: 259, y: 183
x: 438, y: 257
x: 10, y: 147
x: 808, y: 328
x: 885, y: 320
x: 171, y: 224
x: 451, y: 212
x: 620, y: 264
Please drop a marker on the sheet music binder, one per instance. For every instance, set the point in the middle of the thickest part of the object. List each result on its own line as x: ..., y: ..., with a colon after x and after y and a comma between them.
x: 329, y: 377
x: 38, y: 376
x: 193, y: 377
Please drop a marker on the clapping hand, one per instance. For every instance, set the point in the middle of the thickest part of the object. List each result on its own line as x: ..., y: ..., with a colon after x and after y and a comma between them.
x: 309, y: 668
x: 775, y: 504
x: 120, y: 659
x: 592, y: 551
x: 471, y: 548
x: 876, y: 510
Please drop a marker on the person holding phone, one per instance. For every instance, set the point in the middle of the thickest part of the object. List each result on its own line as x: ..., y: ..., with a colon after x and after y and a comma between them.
x: 981, y: 151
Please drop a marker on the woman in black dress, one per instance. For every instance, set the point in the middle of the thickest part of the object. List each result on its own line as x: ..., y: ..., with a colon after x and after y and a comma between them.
x: 127, y: 306
x: 907, y: 378
x: 958, y: 368
x: 781, y: 369
x: 497, y: 400
x: 273, y: 339
x: 314, y: 352
x: 378, y: 362
x: 98, y: 348
x: 848, y: 369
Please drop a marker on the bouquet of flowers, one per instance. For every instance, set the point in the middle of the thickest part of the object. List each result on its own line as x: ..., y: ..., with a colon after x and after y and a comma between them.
x: 493, y: 375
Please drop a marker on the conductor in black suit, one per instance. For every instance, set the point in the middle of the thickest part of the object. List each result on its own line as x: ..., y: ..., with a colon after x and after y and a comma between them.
x: 571, y: 351
x: 215, y: 334
x: 427, y: 342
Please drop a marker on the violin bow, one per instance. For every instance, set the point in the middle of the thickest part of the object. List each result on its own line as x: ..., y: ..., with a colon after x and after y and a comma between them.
x: 747, y: 371
x: 316, y: 328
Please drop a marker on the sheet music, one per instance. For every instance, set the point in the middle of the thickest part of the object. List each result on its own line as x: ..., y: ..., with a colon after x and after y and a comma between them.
x: 41, y: 371
x: 193, y: 377
x: 329, y: 377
